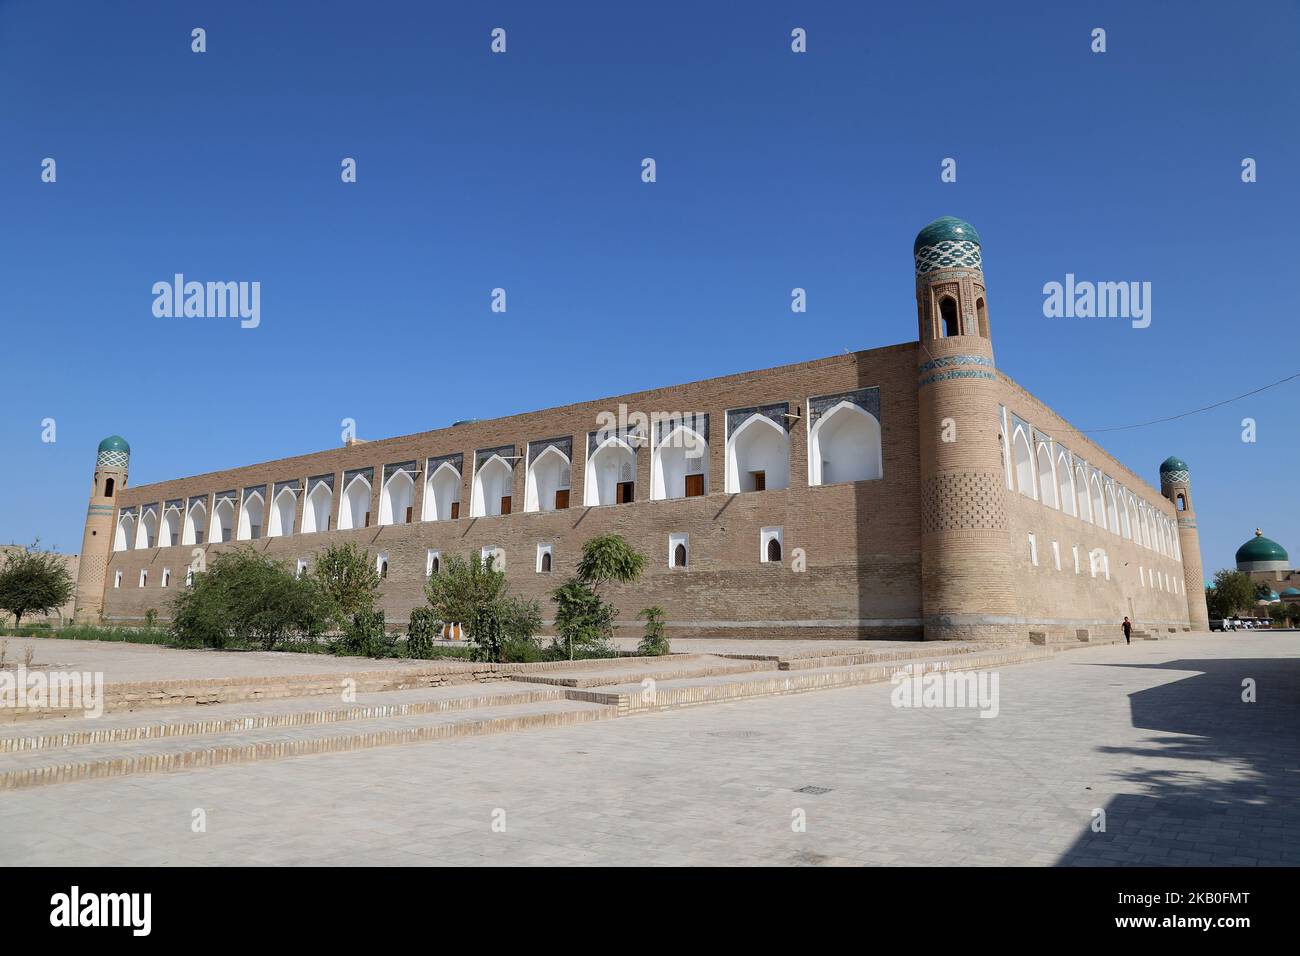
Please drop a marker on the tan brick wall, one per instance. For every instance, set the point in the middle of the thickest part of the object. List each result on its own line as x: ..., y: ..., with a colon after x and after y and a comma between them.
x: 861, y: 540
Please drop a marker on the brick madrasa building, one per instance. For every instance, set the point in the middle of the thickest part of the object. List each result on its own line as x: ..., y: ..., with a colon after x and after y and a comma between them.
x: 901, y: 492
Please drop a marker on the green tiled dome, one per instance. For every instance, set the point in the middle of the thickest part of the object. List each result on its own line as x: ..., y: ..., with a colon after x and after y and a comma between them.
x: 945, y: 228
x: 115, y: 443
x: 1291, y: 593
x: 1260, y: 548
x: 1172, y: 463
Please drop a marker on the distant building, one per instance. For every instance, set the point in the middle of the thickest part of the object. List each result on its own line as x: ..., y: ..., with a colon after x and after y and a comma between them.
x: 1267, y: 562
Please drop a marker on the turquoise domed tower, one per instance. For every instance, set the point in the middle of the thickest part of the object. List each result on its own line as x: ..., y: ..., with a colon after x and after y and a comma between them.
x: 967, y: 584
x: 1176, y: 485
x: 112, y: 462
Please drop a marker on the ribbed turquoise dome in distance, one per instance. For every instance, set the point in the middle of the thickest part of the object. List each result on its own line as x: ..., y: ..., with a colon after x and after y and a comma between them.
x: 945, y: 228
x: 115, y: 443
x: 1172, y: 463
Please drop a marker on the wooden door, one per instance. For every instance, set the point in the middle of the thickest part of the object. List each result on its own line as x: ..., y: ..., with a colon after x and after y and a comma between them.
x: 694, y: 486
x: 505, y: 504
x: 562, y: 499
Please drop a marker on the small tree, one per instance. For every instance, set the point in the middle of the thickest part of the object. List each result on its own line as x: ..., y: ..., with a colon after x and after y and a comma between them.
x: 654, y: 642
x: 582, y: 617
x: 420, y: 631
x: 1233, y: 592
x: 33, y: 582
x: 365, y: 635
x: 347, y: 577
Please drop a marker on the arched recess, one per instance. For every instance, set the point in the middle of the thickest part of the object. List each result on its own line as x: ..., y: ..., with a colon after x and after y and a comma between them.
x: 1083, y: 504
x: 949, y: 323
x: 679, y: 467
x: 1046, y: 477
x: 223, y: 521
x: 124, y: 540
x: 547, y: 486
x: 610, y: 467
x: 1112, y: 510
x: 147, y: 535
x: 169, y: 531
x: 493, y: 491
x: 318, y: 508
x: 758, y: 456
x: 284, y: 513
x: 844, y: 445
x: 1098, y: 501
x: 109, y: 484
x: 196, y: 524
x: 252, y: 516
x: 1023, y: 459
x: 397, y: 500
x: 442, y: 493
x: 354, y: 507
x: 1064, y: 487
x: 1126, y: 514
x: 982, y: 316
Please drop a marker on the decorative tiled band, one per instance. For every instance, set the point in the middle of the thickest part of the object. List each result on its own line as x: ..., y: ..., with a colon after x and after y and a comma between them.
x: 951, y: 360
x: 954, y: 374
x: 948, y: 254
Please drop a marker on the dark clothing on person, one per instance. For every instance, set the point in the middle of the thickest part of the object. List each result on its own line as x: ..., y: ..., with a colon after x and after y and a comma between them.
x: 1127, y: 630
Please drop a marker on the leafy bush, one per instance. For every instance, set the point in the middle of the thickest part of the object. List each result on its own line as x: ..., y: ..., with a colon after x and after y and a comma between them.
x: 365, y: 636
x: 486, y: 630
x: 462, y: 588
x: 420, y: 633
x: 151, y: 618
x: 246, y: 598
x: 654, y: 643
x: 348, y: 579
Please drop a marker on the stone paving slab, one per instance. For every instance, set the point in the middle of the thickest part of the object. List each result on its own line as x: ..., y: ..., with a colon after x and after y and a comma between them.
x: 1155, y: 734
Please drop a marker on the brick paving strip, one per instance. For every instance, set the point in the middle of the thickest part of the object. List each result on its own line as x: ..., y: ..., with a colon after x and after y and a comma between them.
x: 438, y: 703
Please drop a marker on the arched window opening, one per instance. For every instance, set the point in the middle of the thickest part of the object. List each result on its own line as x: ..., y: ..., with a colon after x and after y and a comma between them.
x: 982, y: 314
x: 251, y: 517
x: 547, y: 486
x: 316, y: 514
x: 948, y: 321
x: 284, y: 513
x: 546, y: 562
x: 223, y: 521
x: 844, y: 445
x: 108, y: 487
x: 1065, y: 493
x: 397, y: 503
x: 758, y: 456
x: 611, y: 474
x: 679, y: 556
x: 1182, y: 502
x: 1024, y: 461
x: 196, y: 524
x: 354, y: 509
x: 680, y: 466
x: 147, y: 536
x: 774, y: 550
x: 1046, y: 483
x: 442, y: 494
x: 493, y: 489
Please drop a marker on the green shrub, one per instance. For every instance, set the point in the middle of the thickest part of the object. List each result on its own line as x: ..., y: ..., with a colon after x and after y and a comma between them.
x: 244, y: 599
x: 486, y: 631
x: 365, y: 636
x: 654, y: 642
x: 420, y: 633
x: 462, y: 588
x: 151, y: 618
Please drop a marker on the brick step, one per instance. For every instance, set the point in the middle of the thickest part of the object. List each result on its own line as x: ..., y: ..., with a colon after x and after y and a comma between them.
x: 895, y: 655
x: 269, y: 715
x: 669, y: 694
x: 659, y: 669
x: 39, y: 768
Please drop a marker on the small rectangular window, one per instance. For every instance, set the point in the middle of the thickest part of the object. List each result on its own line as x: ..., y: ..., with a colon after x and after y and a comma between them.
x: 432, y: 562
x: 694, y: 486
x: 624, y: 492
x: 1033, y: 550
x: 505, y: 504
x: 562, y: 499
x: 1076, y: 559
x: 1056, y: 555
x: 117, y: 580
x: 544, y: 558
x: 302, y: 567
x: 166, y: 577
x: 144, y: 577
x: 770, y: 545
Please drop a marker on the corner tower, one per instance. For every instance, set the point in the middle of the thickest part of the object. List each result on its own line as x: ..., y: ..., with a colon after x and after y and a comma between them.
x: 966, y: 580
x: 111, y: 465
x: 1176, y: 485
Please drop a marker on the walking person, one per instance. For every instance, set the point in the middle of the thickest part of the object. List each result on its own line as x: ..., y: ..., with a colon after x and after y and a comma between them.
x: 1128, y: 629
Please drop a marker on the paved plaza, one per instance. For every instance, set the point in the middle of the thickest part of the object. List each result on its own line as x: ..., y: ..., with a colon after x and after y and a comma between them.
x: 1155, y: 734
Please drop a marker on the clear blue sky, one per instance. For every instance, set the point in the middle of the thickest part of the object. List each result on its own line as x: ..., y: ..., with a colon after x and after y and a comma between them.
x: 522, y: 171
